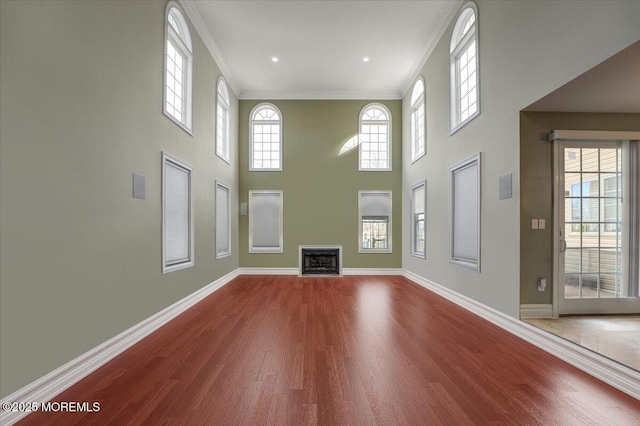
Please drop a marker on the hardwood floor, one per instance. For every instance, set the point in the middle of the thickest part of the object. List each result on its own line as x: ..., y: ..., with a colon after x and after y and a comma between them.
x: 346, y: 351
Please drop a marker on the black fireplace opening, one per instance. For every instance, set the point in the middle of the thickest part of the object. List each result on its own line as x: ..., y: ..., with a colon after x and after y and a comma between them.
x: 320, y: 261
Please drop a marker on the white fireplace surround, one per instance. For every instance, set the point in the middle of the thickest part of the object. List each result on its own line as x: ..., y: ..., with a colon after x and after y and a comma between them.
x: 319, y: 247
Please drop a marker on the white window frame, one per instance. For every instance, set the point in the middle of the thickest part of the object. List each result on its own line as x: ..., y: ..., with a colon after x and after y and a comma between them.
x: 413, y: 251
x: 417, y: 102
x: 389, y: 133
x: 251, y: 135
x: 184, y: 47
x: 222, y: 134
x: 457, y: 47
x: 389, y: 248
x: 280, y: 247
x: 469, y: 162
x: 166, y: 266
x: 220, y: 254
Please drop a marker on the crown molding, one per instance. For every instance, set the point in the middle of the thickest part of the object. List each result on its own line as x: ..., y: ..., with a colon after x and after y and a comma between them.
x: 284, y: 95
x: 429, y: 47
x: 190, y: 8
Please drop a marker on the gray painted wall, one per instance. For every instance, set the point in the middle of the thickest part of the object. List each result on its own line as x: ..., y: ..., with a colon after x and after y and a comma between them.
x: 527, y: 49
x: 536, y: 189
x: 81, y: 103
x: 320, y: 185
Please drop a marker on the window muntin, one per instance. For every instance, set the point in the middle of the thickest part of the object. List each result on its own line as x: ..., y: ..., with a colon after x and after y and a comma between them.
x: 265, y: 222
x: 465, y: 213
x: 222, y: 121
x: 375, y: 138
x: 418, y: 127
x: 177, y: 214
x: 266, y: 138
x: 374, y: 220
x: 223, y: 225
x: 178, y: 68
x: 418, y: 211
x: 463, y: 58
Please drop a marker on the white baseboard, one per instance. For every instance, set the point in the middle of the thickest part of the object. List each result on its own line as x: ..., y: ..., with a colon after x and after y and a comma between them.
x: 533, y: 311
x: 267, y: 271
x: 371, y: 271
x: 55, y: 382
x: 617, y: 375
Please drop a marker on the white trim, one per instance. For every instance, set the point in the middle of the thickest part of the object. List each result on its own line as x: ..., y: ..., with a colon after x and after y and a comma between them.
x: 531, y: 311
x: 430, y: 46
x: 372, y: 271
x: 617, y: 375
x: 593, y: 135
x: 223, y: 187
x: 281, y: 139
x: 272, y: 95
x: 225, y: 103
x: 280, y: 247
x: 267, y: 271
x: 167, y: 158
x: 389, y: 137
x: 412, y: 237
x: 60, y: 379
x: 389, y: 248
x: 339, y: 247
x: 475, y: 159
x: 191, y: 10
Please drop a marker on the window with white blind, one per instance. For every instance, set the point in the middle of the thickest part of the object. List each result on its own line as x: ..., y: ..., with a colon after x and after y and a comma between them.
x: 223, y: 245
x: 177, y: 214
x: 266, y: 138
x: 222, y: 121
x: 463, y: 63
x: 418, y: 212
x: 465, y: 213
x: 418, y: 126
x: 178, y: 68
x: 375, y: 138
x: 374, y: 221
x: 265, y: 222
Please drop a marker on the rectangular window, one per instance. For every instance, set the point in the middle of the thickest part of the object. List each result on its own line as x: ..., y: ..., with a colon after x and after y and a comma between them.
x: 417, y: 130
x: 418, y: 203
x: 177, y: 214
x: 265, y: 222
x: 222, y: 131
x: 223, y: 248
x: 374, y: 218
x: 465, y: 213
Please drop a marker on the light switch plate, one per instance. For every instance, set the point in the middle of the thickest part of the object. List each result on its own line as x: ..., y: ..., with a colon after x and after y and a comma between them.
x: 541, y: 223
x: 504, y: 187
x: 139, y: 190
x: 534, y: 223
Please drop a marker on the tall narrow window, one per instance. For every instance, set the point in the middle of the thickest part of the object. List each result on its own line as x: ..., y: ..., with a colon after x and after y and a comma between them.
x: 223, y: 246
x: 178, y: 67
x: 463, y: 61
x: 374, y: 219
x: 418, y: 203
x: 265, y: 222
x: 266, y: 138
x: 177, y: 214
x: 465, y: 213
x: 375, y: 138
x: 418, y: 128
x: 222, y: 121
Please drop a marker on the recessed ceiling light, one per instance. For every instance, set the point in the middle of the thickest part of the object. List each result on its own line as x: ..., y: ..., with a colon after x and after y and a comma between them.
x: 365, y: 59
x: 274, y: 59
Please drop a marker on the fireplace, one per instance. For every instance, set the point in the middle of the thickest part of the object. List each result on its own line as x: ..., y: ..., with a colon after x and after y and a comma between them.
x: 320, y: 260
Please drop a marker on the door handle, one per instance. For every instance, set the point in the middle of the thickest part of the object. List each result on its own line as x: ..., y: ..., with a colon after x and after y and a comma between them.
x: 563, y: 246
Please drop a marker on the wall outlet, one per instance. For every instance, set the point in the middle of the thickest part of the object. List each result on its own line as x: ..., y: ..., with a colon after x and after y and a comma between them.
x: 542, y: 284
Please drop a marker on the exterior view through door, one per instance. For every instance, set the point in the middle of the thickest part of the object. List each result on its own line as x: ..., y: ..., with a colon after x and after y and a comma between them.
x: 596, y: 210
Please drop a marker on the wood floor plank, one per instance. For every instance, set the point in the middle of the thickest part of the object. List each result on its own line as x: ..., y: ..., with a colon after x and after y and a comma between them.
x: 358, y: 350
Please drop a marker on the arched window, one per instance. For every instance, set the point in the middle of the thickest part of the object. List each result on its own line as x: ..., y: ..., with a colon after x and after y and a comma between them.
x: 266, y: 138
x: 418, y: 126
x: 178, y: 67
x: 375, y: 138
x: 222, y: 121
x: 463, y: 60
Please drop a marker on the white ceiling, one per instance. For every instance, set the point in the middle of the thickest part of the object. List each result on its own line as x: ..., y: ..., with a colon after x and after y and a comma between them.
x: 320, y: 45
